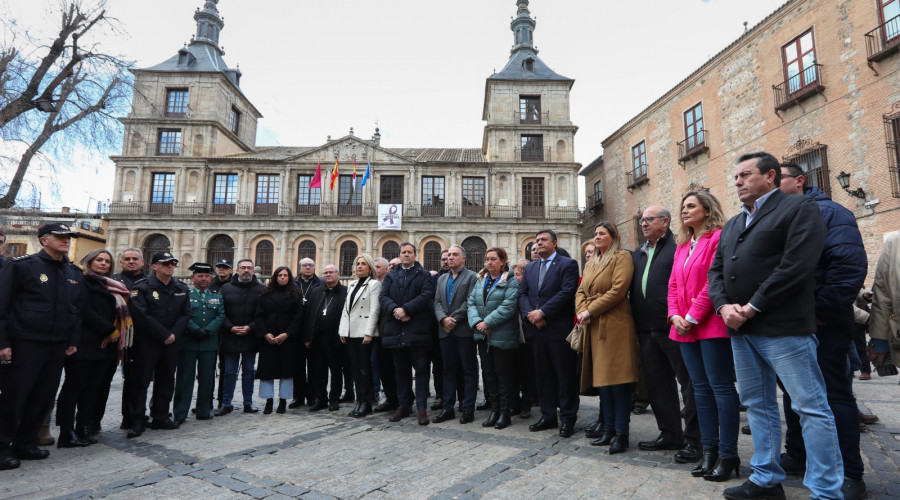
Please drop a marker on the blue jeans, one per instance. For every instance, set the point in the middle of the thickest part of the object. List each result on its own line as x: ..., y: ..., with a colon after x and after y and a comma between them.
x: 711, y: 367
x: 247, y: 361
x: 758, y: 360
x: 459, y: 354
x: 616, y: 403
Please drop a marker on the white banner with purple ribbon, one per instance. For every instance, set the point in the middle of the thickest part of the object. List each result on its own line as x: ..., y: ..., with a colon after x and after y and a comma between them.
x: 390, y: 216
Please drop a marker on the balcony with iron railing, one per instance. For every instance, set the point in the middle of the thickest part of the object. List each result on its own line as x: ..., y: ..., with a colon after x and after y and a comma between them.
x: 636, y: 176
x: 533, y: 118
x: 532, y: 154
x: 883, y: 41
x: 692, y: 146
x: 801, y: 86
x: 595, y: 200
x: 166, y: 149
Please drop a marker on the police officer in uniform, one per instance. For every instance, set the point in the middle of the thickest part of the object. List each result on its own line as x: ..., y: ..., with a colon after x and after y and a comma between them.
x: 40, y: 324
x: 198, y: 346
x: 224, y: 274
x: 160, y: 310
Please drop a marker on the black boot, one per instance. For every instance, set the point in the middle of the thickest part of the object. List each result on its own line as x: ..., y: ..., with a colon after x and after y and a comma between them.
x: 85, y: 433
x: 723, y: 469
x: 503, y: 421
x: 68, y: 439
x: 605, y: 439
x: 355, y: 412
x: 365, y: 409
x: 619, y: 444
x: 282, y: 406
x: 269, y: 404
x: 492, y: 420
x: 707, y: 463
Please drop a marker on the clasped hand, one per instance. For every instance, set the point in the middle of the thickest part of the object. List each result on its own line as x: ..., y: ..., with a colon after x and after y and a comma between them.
x: 736, y: 315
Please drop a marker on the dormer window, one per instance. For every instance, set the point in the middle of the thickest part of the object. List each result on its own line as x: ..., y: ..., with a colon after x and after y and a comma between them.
x: 528, y: 65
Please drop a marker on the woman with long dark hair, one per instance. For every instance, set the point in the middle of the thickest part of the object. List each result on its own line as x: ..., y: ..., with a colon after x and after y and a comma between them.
x: 277, y: 324
x: 105, y: 329
x: 703, y: 337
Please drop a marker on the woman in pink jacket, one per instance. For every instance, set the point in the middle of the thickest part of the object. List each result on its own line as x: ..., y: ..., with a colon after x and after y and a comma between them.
x: 703, y: 337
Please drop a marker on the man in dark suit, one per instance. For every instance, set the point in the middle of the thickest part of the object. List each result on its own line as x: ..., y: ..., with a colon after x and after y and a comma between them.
x: 547, y: 306
x: 762, y: 283
x: 660, y: 356
x: 458, y: 349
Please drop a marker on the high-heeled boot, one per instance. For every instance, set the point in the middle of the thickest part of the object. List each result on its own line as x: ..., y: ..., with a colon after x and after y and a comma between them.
x: 619, y: 443
x: 355, y: 412
x: 282, y: 406
x: 707, y: 463
x: 492, y: 419
x: 268, y: 409
x: 605, y: 439
x: 722, y: 470
x: 503, y: 420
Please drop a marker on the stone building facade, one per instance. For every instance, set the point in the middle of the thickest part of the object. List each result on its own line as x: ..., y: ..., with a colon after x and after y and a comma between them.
x: 191, y: 180
x: 816, y: 83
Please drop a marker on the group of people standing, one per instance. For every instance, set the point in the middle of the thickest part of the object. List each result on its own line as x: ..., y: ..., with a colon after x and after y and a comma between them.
x: 764, y: 298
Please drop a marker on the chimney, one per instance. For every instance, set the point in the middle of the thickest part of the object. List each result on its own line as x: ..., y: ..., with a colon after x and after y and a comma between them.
x: 65, y: 210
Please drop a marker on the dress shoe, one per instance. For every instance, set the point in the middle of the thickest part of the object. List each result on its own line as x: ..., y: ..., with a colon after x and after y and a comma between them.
x: 348, y: 397
x: 595, y: 432
x: 492, y: 419
x: 542, y: 425
x: 619, y: 444
x: 365, y: 409
x: 525, y: 413
x: 86, y: 434
x: 639, y: 410
x: 751, y: 491
x: 605, y: 438
x: 8, y: 460
x: 688, y: 455
x: 422, y: 416
x: 297, y: 403
x: 205, y: 417
x: 270, y: 403
x: 437, y: 405
x: 282, y: 406
x: 483, y: 405
x: 467, y: 417
x: 853, y: 489
x: 867, y: 418
x: 707, y: 463
x: 401, y: 413
x: 865, y: 376
x: 355, y: 411
x: 165, y: 424
x: 384, y: 407
x: 659, y: 444
x: 334, y: 406
x: 793, y: 466
x: 225, y: 410
x: 136, y: 430
x: 68, y: 439
x: 31, y: 453
x: 745, y: 429
x: 722, y: 470
x: 444, y: 416
x: 250, y: 409
x: 318, y: 405
x: 503, y: 421
x: 566, y: 429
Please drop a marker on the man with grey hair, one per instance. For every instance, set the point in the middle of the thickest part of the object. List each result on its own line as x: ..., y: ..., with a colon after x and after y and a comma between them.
x: 131, y: 263
x: 321, y: 321
x: 457, y: 345
x: 305, y: 282
x: 661, y: 356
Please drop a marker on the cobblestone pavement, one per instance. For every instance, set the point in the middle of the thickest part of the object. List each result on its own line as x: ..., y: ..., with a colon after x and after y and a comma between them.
x: 330, y: 455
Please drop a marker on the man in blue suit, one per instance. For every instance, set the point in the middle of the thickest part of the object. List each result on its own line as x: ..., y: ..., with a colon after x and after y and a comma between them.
x: 547, y: 306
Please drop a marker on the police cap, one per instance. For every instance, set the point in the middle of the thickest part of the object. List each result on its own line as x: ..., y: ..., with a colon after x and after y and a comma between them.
x: 57, y: 228
x: 200, y: 267
x: 163, y: 257
x: 224, y: 263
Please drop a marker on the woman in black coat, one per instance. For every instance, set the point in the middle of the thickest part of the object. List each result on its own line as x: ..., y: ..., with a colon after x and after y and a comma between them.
x: 90, y: 371
x: 277, y: 323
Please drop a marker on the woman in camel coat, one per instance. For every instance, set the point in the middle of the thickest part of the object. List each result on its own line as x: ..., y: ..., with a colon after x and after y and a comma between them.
x: 610, y: 359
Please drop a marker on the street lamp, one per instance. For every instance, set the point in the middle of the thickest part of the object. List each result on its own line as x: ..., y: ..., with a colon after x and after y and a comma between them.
x: 844, y: 179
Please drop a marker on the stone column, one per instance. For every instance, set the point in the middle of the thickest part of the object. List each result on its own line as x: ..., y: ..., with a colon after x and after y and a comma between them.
x: 327, y: 251
x: 283, y: 257
x: 113, y: 246
x: 241, y: 250
x: 370, y: 249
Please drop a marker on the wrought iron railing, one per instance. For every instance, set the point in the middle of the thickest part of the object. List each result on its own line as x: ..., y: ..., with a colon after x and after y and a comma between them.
x: 637, y: 176
x: 533, y: 118
x: 798, y: 87
x: 692, y: 146
x: 532, y: 154
x: 595, y: 200
x: 883, y: 40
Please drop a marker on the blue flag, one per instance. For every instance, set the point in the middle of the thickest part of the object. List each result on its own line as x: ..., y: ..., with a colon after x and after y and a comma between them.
x: 365, y: 177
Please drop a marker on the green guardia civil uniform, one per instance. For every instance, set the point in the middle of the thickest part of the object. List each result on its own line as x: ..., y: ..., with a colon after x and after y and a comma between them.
x: 197, y: 354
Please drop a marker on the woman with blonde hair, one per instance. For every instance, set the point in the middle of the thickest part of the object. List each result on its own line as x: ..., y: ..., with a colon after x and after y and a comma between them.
x: 610, y: 358
x: 703, y: 337
x: 359, y: 324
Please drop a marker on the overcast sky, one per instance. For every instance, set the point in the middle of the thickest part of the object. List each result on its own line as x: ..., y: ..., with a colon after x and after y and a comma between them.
x: 418, y: 67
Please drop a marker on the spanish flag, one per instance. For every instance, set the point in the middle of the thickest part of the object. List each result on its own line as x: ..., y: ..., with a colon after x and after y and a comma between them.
x: 334, y: 175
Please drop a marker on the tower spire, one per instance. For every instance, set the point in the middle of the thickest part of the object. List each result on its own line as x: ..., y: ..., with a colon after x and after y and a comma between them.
x: 522, y: 27
x: 209, y: 24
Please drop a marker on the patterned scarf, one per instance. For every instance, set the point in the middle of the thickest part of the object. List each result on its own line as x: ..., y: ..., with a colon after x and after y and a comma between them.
x: 124, y: 332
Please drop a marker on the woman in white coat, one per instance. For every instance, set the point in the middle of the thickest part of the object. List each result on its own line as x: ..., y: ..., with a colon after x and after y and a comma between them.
x: 359, y: 323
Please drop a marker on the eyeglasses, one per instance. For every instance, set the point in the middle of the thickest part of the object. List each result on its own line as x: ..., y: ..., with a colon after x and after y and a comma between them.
x: 648, y: 220
x: 245, y: 267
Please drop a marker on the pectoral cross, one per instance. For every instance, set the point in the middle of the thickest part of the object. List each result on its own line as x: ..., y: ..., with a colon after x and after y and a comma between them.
x: 325, y: 312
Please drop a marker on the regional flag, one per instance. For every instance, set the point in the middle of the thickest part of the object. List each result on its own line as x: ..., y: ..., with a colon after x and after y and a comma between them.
x: 365, y: 176
x: 316, y: 181
x: 334, y: 175
x: 354, y: 175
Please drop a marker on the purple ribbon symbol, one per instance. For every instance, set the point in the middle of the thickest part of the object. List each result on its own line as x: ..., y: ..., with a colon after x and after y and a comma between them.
x: 391, y: 213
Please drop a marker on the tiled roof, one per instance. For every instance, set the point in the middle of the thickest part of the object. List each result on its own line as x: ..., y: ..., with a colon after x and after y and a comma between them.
x: 277, y: 153
x: 441, y: 155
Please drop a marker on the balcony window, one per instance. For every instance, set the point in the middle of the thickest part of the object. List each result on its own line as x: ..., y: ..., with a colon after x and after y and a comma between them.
x: 596, y: 199
x: 532, y: 197
x: 885, y: 39
x: 225, y: 194
x: 169, y: 142
x: 267, y: 190
x: 638, y: 173
x: 432, y: 196
x: 176, y: 102
x: 473, y: 196
x: 349, y: 199
x: 308, y: 200
x: 162, y: 193
x: 889, y: 12
x: 532, y: 147
x: 799, y: 62
x: 813, y: 159
x: 530, y: 109
x: 391, y: 189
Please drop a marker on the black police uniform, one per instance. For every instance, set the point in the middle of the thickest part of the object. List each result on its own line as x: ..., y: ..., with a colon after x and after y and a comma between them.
x: 157, y: 310
x: 40, y: 316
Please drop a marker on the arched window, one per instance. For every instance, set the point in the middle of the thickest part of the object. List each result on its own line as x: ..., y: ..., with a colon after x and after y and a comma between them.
x: 475, y: 248
x: 528, y: 250
x: 220, y: 247
x: 265, y: 255
x: 431, y: 258
x: 307, y: 250
x: 390, y: 250
x: 349, y: 251
x: 155, y: 243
